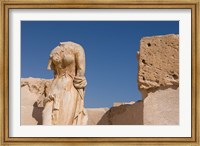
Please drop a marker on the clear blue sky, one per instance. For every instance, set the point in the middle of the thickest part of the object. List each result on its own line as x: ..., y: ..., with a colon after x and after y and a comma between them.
x: 110, y: 48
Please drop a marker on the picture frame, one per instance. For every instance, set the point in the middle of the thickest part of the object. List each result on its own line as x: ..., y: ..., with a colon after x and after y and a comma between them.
x: 6, y: 5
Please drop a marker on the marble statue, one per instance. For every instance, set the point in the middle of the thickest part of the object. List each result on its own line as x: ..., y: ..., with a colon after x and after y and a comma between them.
x: 64, y: 104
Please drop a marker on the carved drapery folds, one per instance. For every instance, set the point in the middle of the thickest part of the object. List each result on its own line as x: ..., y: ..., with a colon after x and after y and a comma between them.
x: 64, y: 105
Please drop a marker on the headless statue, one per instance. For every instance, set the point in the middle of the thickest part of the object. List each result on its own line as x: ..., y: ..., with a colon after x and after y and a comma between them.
x: 64, y: 104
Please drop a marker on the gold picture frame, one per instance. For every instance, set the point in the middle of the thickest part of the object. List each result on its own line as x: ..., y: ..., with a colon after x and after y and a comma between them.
x: 127, y: 4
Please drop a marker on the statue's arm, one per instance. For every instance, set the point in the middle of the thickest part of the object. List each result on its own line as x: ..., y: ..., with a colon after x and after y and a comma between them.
x: 80, y: 62
x: 51, y: 66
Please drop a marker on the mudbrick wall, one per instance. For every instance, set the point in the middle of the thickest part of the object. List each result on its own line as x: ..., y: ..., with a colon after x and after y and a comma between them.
x: 158, y: 81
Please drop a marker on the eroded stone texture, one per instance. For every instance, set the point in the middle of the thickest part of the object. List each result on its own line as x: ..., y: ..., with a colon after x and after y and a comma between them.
x: 158, y: 79
x: 64, y: 104
x: 33, y: 91
x: 32, y: 95
x: 158, y: 61
x: 37, y: 85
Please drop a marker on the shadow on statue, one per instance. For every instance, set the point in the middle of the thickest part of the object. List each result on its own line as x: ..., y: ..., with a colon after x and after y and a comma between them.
x: 126, y: 114
x: 37, y: 113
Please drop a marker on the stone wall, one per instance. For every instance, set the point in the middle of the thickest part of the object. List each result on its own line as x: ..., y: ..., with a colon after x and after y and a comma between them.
x: 162, y: 107
x: 158, y: 79
x: 33, y: 90
x: 158, y: 62
x: 124, y: 114
x: 98, y: 116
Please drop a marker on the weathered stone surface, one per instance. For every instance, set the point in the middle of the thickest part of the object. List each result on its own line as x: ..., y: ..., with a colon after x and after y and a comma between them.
x: 36, y: 85
x: 126, y: 114
x: 158, y: 79
x: 27, y: 105
x: 97, y: 114
x: 64, y: 104
x: 158, y: 61
x: 33, y: 91
x: 162, y: 107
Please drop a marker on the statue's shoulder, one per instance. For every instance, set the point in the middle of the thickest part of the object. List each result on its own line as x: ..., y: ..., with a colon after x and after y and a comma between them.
x: 56, y: 50
x: 77, y: 48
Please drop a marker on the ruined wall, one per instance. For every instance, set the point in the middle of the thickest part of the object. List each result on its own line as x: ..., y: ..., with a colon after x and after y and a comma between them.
x: 162, y: 107
x: 158, y: 62
x: 158, y: 79
x: 124, y: 114
x: 95, y: 115
x: 33, y: 90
